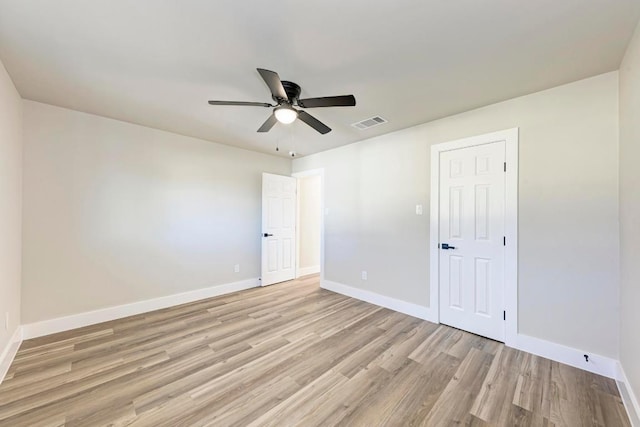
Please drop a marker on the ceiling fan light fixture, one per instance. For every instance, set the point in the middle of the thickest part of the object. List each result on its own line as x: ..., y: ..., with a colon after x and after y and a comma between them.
x: 285, y: 114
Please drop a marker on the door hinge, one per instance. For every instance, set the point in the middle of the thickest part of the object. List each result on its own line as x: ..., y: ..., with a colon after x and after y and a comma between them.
x: 504, y: 315
x: 504, y: 241
x: 505, y: 166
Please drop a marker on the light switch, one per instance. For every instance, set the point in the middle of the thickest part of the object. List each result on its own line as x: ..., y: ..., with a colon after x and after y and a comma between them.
x: 418, y: 209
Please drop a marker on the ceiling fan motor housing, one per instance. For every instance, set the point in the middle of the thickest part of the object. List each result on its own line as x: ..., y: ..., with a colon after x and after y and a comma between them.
x: 292, y: 89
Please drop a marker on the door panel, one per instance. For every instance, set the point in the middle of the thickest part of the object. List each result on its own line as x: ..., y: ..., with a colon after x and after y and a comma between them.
x: 455, y: 284
x: 455, y: 212
x: 472, y: 210
x: 278, y: 227
x: 483, y: 286
x: 272, y: 256
x: 482, y: 211
x: 287, y: 253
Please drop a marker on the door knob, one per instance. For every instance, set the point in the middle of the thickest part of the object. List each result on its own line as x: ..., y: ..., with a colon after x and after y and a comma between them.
x: 267, y: 235
x: 446, y: 246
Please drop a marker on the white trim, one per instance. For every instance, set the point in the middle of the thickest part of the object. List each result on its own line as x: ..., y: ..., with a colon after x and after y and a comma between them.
x: 631, y: 402
x: 9, y: 352
x: 305, y: 271
x: 597, y: 364
x: 411, y: 309
x: 60, y: 324
x: 510, y: 136
x: 511, y: 233
x: 434, y: 233
x: 302, y: 174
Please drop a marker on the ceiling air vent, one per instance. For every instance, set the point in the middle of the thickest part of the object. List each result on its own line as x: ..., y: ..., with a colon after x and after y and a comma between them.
x: 369, y: 123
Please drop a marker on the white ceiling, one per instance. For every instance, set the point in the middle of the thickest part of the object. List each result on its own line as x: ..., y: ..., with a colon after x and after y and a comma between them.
x: 156, y: 63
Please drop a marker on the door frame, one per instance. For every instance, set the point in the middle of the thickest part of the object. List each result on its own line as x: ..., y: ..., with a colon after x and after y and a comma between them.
x: 303, y: 174
x: 511, y: 137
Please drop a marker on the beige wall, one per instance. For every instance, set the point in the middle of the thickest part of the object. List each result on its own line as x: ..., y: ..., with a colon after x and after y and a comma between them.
x: 10, y: 205
x: 568, y: 201
x: 630, y: 212
x: 309, y: 221
x: 116, y: 213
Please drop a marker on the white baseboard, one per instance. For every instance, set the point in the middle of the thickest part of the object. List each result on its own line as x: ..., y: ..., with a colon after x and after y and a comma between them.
x: 305, y: 271
x: 60, y: 324
x: 9, y: 352
x: 415, y: 310
x: 631, y: 402
x: 597, y: 364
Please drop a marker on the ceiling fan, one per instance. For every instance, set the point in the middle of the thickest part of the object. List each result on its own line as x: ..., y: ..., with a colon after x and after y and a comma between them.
x: 286, y: 94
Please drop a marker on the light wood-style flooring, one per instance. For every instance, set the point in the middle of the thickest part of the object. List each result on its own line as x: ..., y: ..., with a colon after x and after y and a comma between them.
x: 287, y: 355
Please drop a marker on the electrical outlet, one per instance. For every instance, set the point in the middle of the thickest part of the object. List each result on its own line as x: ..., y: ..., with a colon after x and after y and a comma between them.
x: 364, y: 275
x: 6, y: 321
x: 236, y: 268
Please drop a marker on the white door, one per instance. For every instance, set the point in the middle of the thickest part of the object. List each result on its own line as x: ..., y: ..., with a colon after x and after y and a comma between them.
x: 278, y: 228
x: 472, y: 211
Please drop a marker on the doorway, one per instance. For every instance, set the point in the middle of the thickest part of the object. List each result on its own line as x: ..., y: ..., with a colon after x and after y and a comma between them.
x: 278, y: 229
x: 310, y: 221
x: 474, y: 234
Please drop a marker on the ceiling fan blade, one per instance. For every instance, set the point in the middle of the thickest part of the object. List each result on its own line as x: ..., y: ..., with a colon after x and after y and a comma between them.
x: 266, y: 126
x: 328, y: 101
x: 313, y: 122
x: 272, y: 80
x: 252, y: 104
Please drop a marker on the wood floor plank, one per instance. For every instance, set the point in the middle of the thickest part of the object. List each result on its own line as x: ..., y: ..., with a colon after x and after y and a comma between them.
x: 533, y: 385
x: 423, y: 393
x: 494, y: 400
x: 575, y: 397
x: 72, y: 390
x: 353, y: 394
x: 396, y: 356
x: 292, y: 354
x: 307, y: 400
x: 455, y: 402
x: 366, y: 354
